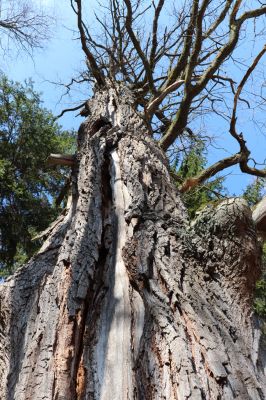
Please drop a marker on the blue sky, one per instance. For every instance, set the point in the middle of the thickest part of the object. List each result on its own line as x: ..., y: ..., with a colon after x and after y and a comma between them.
x: 58, y: 61
x: 62, y: 58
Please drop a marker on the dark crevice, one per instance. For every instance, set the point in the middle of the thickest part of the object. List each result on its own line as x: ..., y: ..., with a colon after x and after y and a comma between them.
x: 96, y: 289
x: 182, y: 276
x: 150, y: 258
x: 232, y: 332
x: 167, y: 249
x: 114, y: 104
x: 134, y: 285
x: 203, y: 396
x: 98, y: 124
x: 146, y: 282
x: 170, y: 295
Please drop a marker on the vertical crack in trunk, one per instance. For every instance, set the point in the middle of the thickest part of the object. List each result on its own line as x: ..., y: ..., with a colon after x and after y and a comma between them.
x: 89, y: 306
x: 115, y: 360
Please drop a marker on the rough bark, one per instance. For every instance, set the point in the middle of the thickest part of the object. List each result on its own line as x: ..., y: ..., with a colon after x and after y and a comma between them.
x: 127, y: 299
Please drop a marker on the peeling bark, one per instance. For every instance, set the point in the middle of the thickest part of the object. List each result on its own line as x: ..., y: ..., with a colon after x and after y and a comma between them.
x: 127, y: 299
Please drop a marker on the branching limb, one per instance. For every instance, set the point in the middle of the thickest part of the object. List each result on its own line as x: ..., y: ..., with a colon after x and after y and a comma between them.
x: 70, y: 109
x: 24, y: 25
x: 91, y: 60
x: 181, y: 118
x: 137, y: 46
x: 240, y: 158
x: 190, y: 183
x: 239, y: 137
x: 175, y: 72
x: 220, y: 19
x: 154, y: 45
x: 61, y: 159
x: 253, y: 14
x: 241, y: 85
x: 192, y: 61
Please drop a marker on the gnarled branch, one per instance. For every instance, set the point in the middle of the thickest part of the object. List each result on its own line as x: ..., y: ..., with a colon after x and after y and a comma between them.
x: 61, y: 159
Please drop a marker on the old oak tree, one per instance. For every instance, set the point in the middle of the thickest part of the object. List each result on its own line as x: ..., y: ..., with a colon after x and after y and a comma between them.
x: 128, y: 298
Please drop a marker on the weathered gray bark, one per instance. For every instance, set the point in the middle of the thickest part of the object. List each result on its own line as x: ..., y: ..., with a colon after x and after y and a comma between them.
x: 126, y: 299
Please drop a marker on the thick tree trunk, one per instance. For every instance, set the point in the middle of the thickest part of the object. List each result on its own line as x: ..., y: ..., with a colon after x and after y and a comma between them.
x: 126, y: 299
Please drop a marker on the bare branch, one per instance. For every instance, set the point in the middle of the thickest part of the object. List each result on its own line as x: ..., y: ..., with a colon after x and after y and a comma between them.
x: 70, y: 109
x: 242, y: 83
x: 190, y: 183
x: 225, y: 51
x: 178, y: 72
x: 175, y: 72
x: 158, y: 99
x: 252, y: 14
x: 146, y: 64
x: 61, y: 159
x: 239, y: 137
x: 220, y: 19
x: 154, y: 45
x: 91, y: 60
x: 23, y: 25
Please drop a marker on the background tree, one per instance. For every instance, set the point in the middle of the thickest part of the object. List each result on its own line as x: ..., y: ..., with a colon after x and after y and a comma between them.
x: 254, y: 193
x: 128, y: 296
x: 260, y: 293
x: 28, y: 190
x: 193, y: 163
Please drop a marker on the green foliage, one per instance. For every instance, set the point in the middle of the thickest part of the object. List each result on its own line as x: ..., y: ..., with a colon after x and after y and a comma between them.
x: 260, y: 293
x: 193, y: 163
x: 255, y: 191
x: 28, y: 134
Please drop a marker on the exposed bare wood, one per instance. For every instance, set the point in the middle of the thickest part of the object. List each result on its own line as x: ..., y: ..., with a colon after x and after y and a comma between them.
x: 61, y: 159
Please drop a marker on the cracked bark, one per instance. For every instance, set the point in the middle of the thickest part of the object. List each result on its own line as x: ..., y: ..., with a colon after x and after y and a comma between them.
x: 127, y: 299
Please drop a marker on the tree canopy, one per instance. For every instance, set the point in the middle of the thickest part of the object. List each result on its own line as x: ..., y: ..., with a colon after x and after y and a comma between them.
x: 28, y: 134
x: 183, y: 64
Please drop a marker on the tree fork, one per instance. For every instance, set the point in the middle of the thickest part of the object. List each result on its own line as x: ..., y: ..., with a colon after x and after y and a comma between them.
x: 126, y: 297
